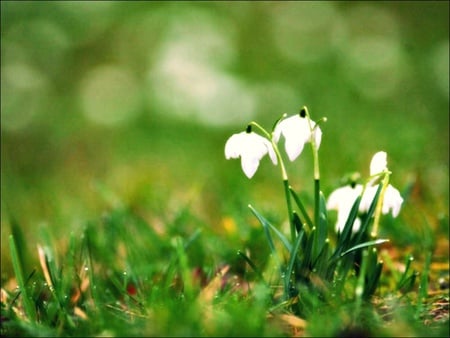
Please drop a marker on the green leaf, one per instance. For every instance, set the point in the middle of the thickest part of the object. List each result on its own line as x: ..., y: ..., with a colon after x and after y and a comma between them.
x: 292, y: 260
x: 283, y: 238
x: 28, y: 305
x: 307, y: 254
x: 364, y: 245
x: 297, y: 222
x: 321, y: 263
x: 365, y: 223
x: 322, y: 228
x: 406, y: 282
x: 252, y: 265
x: 302, y: 208
x: 265, y: 223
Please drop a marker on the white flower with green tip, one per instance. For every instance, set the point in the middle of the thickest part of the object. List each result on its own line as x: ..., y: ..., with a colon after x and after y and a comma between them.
x: 297, y: 130
x: 251, y: 148
x: 343, y: 198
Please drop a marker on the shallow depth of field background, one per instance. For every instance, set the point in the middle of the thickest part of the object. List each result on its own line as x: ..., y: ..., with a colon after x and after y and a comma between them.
x: 110, y: 104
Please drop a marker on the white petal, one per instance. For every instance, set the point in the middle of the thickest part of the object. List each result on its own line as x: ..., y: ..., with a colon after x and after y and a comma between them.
x: 296, y: 132
x: 392, y: 201
x: 335, y: 197
x: 254, y: 146
x: 294, y: 147
x: 251, y: 147
x: 232, y: 146
x: 317, y: 136
x: 249, y: 165
x: 342, y: 200
x: 272, y: 155
x: 378, y: 163
x: 367, y: 198
x: 343, y: 197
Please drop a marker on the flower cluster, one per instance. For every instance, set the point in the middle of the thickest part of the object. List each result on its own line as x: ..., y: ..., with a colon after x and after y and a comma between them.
x: 297, y: 130
x: 251, y: 147
x: 343, y: 198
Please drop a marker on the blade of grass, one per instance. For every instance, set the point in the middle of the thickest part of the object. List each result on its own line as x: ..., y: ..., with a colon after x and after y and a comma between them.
x: 266, y: 226
x: 302, y: 208
x: 188, y: 287
x: 322, y: 226
x: 359, y: 290
x: 307, y: 252
x: 365, y: 224
x: 373, y: 273
x: 292, y: 259
x: 283, y: 238
x: 423, y: 287
x: 364, y: 245
x: 28, y: 305
x: 252, y: 265
x: 406, y: 280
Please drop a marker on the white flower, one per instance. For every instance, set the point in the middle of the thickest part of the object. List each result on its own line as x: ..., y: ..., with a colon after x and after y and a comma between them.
x: 251, y: 147
x: 378, y: 163
x: 342, y: 200
x: 392, y: 200
x: 296, y: 131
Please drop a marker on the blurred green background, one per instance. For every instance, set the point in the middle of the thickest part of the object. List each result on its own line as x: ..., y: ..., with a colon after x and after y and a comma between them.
x: 109, y: 104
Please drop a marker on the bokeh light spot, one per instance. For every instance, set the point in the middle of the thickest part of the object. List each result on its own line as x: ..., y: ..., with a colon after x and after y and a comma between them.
x: 109, y: 95
x: 439, y: 61
x: 189, y: 78
x: 24, y: 92
x: 371, y: 57
x: 305, y: 32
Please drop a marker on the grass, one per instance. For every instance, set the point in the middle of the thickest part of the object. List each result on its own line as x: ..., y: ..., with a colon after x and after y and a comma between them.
x: 142, y: 228
x: 128, y: 272
x: 119, y: 277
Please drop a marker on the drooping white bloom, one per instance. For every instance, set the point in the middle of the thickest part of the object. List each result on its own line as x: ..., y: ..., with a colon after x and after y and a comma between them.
x: 297, y: 131
x: 378, y: 163
x: 342, y: 200
x: 251, y: 148
x: 392, y: 201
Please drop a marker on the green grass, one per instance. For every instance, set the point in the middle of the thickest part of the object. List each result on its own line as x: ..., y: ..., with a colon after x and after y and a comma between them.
x: 118, y: 276
x: 142, y: 228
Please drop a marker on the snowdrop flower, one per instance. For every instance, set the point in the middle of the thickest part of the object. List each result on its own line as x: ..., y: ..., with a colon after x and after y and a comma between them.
x: 297, y: 131
x: 342, y: 200
x: 392, y: 200
x: 378, y: 163
x: 251, y: 148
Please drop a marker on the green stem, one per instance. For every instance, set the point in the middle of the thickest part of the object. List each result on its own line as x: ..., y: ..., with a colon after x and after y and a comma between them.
x: 284, y: 177
x: 316, y: 216
x: 379, y: 207
x: 315, y: 151
x: 289, y: 210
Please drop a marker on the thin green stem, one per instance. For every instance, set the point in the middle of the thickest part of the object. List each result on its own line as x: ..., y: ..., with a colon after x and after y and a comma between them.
x: 283, y: 175
x: 379, y: 207
x: 315, y: 151
x: 289, y: 209
x: 316, y: 215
